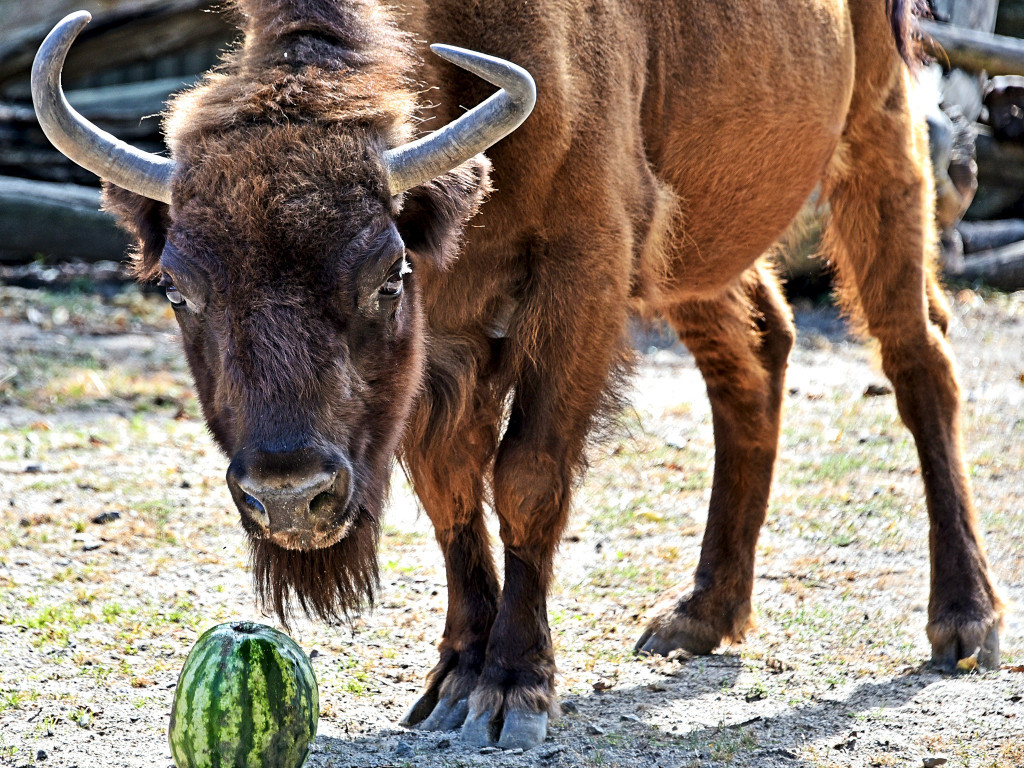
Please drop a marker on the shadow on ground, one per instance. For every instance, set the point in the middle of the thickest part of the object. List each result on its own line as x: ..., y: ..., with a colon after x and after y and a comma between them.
x: 594, y: 731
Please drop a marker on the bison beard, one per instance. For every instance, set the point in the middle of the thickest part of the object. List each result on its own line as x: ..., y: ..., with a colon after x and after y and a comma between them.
x: 328, y: 584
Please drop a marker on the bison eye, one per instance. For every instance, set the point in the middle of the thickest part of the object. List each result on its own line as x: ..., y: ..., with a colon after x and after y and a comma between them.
x: 174, y: 295
x: 395, y: 283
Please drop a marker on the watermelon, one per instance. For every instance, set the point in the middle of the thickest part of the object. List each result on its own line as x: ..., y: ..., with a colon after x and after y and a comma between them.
x: 246, y: 698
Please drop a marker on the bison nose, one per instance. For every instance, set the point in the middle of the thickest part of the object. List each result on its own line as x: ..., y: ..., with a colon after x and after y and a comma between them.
x: 298, y: 498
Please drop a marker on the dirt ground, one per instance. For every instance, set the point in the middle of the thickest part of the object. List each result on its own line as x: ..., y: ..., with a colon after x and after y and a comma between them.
x: 118, y: 546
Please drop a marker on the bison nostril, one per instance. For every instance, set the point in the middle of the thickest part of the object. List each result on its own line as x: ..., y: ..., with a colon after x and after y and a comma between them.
x: 322, y: 504
x: 257, y: 511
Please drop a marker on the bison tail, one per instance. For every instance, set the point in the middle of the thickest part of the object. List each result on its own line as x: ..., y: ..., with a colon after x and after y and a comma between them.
x: 903, y: 15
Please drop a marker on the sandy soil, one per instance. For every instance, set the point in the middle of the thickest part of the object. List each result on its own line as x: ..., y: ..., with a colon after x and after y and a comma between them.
x: 118, y: 546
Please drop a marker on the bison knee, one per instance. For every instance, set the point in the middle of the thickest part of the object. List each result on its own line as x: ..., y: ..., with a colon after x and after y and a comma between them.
x: 531, y: 496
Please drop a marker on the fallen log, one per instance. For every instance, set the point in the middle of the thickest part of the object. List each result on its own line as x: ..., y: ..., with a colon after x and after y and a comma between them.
x: 127, y: 102
x: 969, y: 14
x: 973, y: 50
x: 130, y: 112
x: 986, y: 235
x: 62, y: 221
x: 148, y: 40
x: 999, y: 267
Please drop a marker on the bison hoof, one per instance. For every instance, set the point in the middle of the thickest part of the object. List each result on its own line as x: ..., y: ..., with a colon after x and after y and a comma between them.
x: 674, y: 631
x: 517, y: 730
x: 947, y: 654
x: 432, y: 714
x: 420, y: 710
x: 447, y: 716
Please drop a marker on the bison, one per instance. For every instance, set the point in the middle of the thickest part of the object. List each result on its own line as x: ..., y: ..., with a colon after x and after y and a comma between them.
x: 348, y: 293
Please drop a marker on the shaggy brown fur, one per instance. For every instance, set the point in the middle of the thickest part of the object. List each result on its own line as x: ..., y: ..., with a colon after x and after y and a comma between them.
x: 662, y: 159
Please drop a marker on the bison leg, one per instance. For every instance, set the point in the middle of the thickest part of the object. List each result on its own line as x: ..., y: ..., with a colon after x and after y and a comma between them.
x: 741, y: 343
x: 448, y: 476
x: 882, y: 238
x: 561, y: 379
x: 516, y: 694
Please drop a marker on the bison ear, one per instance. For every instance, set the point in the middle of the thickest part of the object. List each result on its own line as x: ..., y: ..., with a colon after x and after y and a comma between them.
x: 147, y: 220
x: 434, y: 214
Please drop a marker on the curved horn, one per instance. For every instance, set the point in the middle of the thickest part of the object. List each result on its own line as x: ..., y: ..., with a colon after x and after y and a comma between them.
x: 93, y: 149
x: 486, y: 124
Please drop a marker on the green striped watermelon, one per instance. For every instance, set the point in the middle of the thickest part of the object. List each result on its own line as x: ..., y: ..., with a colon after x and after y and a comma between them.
x: 246, y: 698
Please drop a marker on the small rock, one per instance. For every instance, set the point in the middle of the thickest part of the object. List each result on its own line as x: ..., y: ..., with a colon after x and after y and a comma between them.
x: 41, y: 754
x: 404, y: 749
x: 444, y: 743
x: 570, y: 706
x: 933, y: 762
x: 513, y: 752
x: 314, y: 653
x: 603, y: 685
x: 488, y: 750
x: 595, y: 730
x: 106, y: 517
x: 547, y: 754
x: 877, y: 390
x: 630, y: 719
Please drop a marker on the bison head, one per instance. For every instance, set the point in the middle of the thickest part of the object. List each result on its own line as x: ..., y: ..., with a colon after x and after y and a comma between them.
x: 288, y: 232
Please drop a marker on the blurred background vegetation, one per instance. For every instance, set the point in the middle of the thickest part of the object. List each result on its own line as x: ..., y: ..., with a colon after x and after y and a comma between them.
x: 136, y: 53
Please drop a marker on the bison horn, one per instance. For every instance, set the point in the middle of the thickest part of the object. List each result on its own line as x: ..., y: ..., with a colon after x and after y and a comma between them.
x: 93, y: 149
x: 486, y: 124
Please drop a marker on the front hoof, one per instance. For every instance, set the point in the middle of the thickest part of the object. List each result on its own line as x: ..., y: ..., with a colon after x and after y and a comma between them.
x: 445, y: 703
x: 447, y: 715
x: 949, y: 648
x: 523, y: 730
x: 480, y: 729
x: 518, y: 730
x: 510, y: 716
